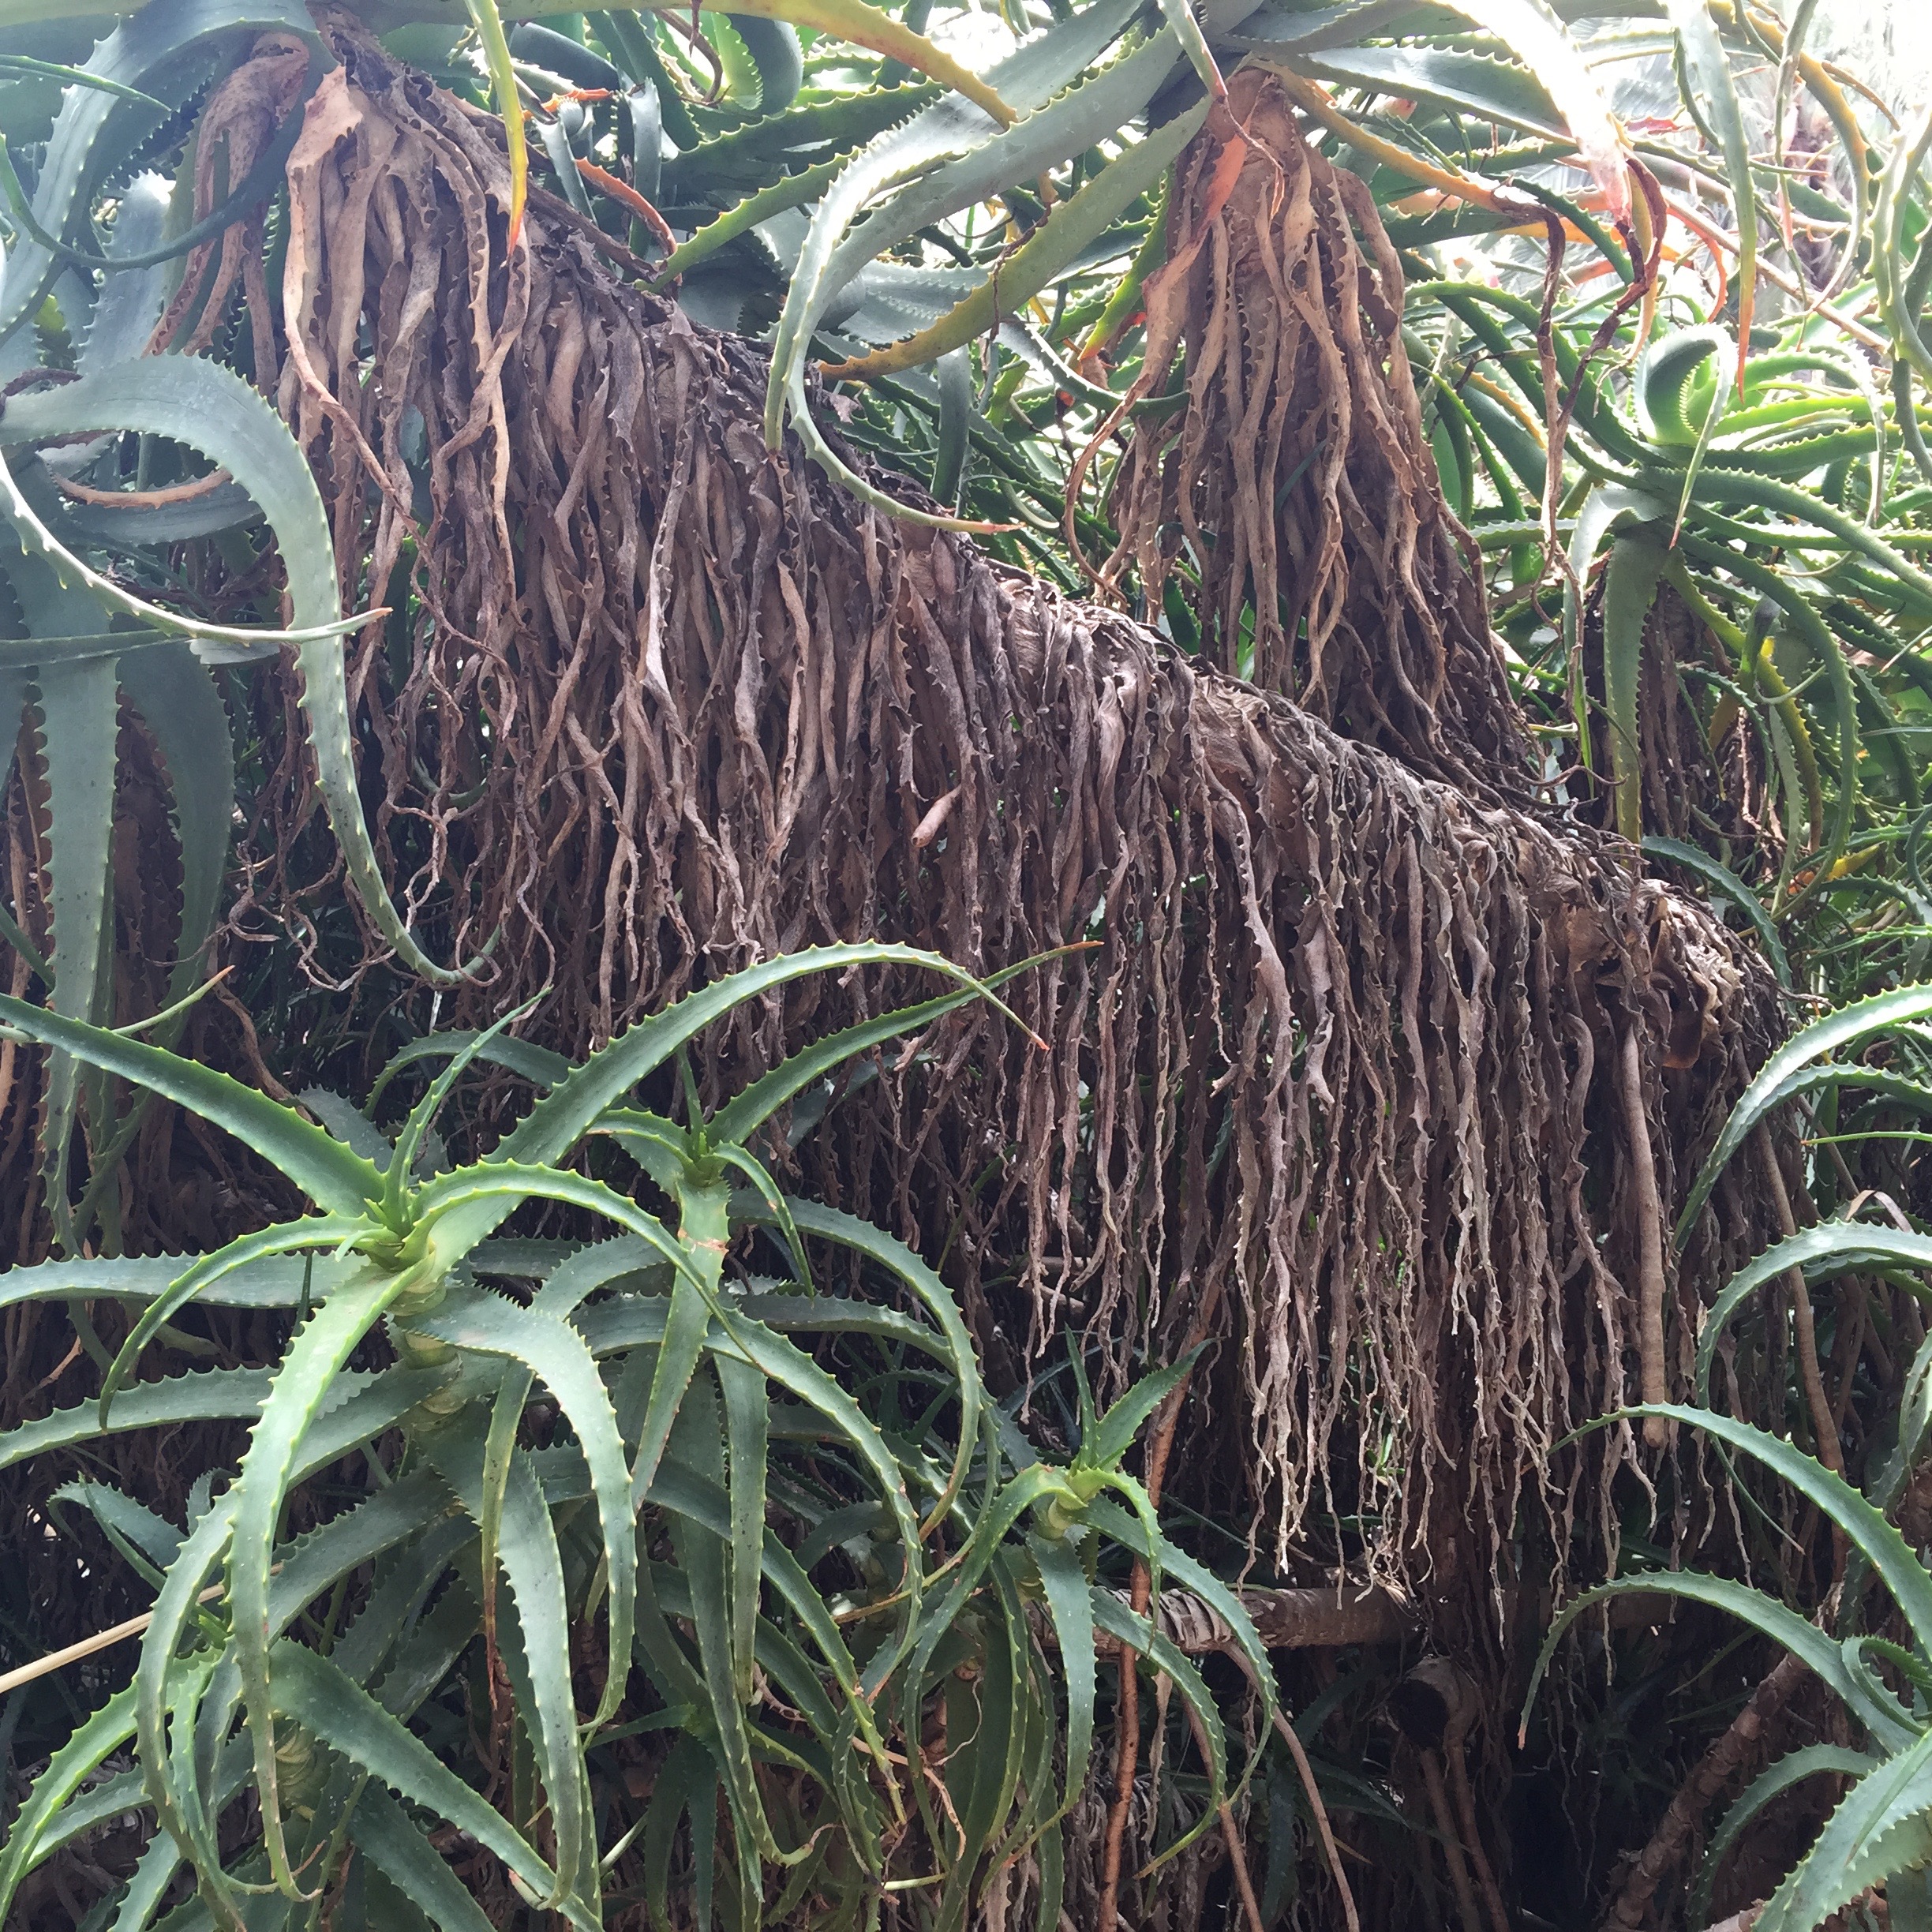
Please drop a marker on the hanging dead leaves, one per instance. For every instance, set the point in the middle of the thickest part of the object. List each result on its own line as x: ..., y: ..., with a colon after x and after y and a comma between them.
x: 1340, y: 1079
x: 1297, y: 484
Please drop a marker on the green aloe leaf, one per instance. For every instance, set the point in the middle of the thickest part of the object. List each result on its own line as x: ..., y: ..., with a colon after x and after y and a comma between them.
x: 210, y: 409
x: 1810, y: 1761
x: 1838, y: 1031
x: 888, y: 1252
x: 156, y: 50
x: 697, y: 1445
x: 79, y: 715
x: 1630, y: 582
x: 554, y: 1352
x: 314, y: 1231
x: 533, y: 1567
x: 317, y: 1354
x: 1721, y: 878
x: 1113, y: 1617
x: 747, y: 1421
x: 1831, y: 1247
x: 213, y: 1394
x: 1063, y: 1579
x: 344, y: 1716
x: 1882, y: 1827
x: 1073, y: 227
x: 570, y: 1110
x: 321, y: 1166
x: 382, y: 1831
x: 95, y: 1740
x: 1783, y: 1626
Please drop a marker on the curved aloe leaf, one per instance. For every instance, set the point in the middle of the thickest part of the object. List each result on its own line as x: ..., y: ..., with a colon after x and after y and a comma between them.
x: 1881, y: 1827
x: 1720, y: 878
x: 156, y: 51
x: 339, y: 1181
x: 1835, y: 1033
x: 1779, y: 1622
x: 533, y: 1567
x: 95, y: 1740
x: 209, y: 1395
x: 1831, y: 1247
x: 344, y: 1716
x: 1811, y: 1761
x: 319, y: 1353
x: 554, y: 1352
x: 210, y: 409
x: 382, y: 1831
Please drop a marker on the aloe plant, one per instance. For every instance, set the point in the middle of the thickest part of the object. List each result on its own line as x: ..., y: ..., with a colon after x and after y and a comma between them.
x: 1880, y: 1833
x: 664, y: 1362
x: 80, y: 641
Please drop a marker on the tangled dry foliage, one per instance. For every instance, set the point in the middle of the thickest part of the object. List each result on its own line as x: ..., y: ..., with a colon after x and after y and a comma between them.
x: 1365, y: 595
x: 1343, y: 1081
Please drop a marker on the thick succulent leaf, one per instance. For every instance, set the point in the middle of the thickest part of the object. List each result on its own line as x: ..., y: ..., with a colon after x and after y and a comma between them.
x: 569, y: 1111
x: 553, y: 1351
x: 1883, y: 1825
x: 887, y: 1252
x: 1721, y: 878
x: 1538, y: 37
x: 210, y: 1396
x: 1476, y: 85
x: 95, y: 1740
x: 1071, y: 227
x: 344, y: 1717
x: 1708, y: 69
x: 533, y: 1567
x: 150, y: 1541
x: 1914, y: 1419
x: 278, y: 1283
x: 634, y: 1321
x: 1631, y: 580
x: 349, y: 1126
x: 312, y: 1232
x: 454, y: 1211
x: 688, y: 1317
x: 381, y: 1830
x: 210, y: 409
x: 1113, y: 1617
x: 1115, y: 1431
x: 1836, y: 1032
x: 747, y: 1420
x: 320, y: 1165
x: 1831, y: 1247
x: 537, y: 1064
x: 318, y: 1353
x: 1890, y: 1726
x: 951, y: 127
x: 697, y: 1443
x: 179, y: 704
x: 1063, y: 1580
x: 1811, y: 1761
x: 79, y: 713
x: 130, y: 301
x: 1866, y: 1528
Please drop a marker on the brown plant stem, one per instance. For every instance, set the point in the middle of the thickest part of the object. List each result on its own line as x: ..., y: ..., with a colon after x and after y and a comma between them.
x: 1312, y: 1791
x: 1472, y: 1838
x: 1822, y: 1423
x: 1652, y: 1360
x: 1733, y: 1752
x: 1251, y: 1906
x: 1451, y: 1843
